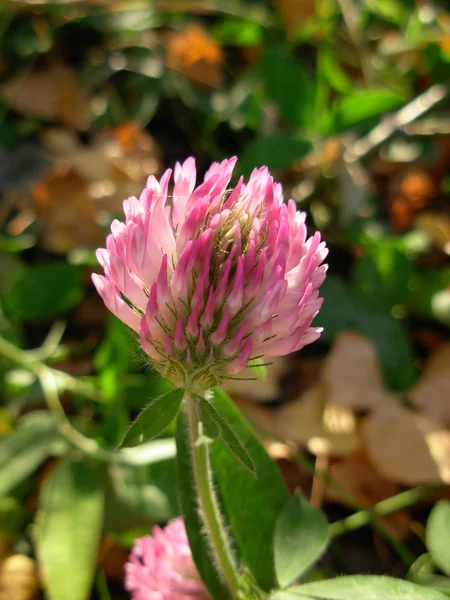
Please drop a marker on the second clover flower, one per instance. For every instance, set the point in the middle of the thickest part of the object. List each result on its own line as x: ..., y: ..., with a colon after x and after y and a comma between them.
x: 221, y: 277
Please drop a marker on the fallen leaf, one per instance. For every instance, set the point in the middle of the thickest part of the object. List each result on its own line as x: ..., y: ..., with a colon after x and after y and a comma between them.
x: 89, y: 183
x: 351, y: 373
x: 338, y: 419
x: 125, y: 155
x: 87, y: 161
x: 407, y: 447
x: 262, y: 417
x: 65, y: 213
x: 432, y: 393
x: 194, y: 53
x: 52, y: 94
x: 358, y: 477
x: 302, y: 422
x: 295, y: 473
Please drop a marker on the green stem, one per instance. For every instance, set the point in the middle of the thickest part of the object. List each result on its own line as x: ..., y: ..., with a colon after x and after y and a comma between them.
x: 209, y: 508
x: 48, y: 379
x: 37, y: 367
x: 382, y: 509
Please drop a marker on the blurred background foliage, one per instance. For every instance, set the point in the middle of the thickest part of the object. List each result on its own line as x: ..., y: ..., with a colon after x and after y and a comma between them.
x: 347, y: 103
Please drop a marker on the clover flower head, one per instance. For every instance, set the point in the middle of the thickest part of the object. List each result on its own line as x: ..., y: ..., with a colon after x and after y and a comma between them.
x: 161, y: 567
x: 213, y: 277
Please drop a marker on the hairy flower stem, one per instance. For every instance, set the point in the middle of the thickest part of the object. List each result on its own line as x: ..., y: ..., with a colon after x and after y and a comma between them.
x: 208, y: 504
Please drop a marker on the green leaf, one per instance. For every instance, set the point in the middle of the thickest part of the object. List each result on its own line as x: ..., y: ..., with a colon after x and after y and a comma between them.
x: 11, y: 269
x: 238, y: 32
x: 301, y: 536
x: 133, y: 499
x: 289, y: 86
x: 44, y: 291
x: 24, y: 450
x: 334, y: 73
x: 252, y: 505
x: 357, y: 108
x: 277, y: 151
x: 153, y: 419
x: 69, y: 525
x: 189, y: 504
x: 17, y: 243
x: 228, y: 436
x: 438, y: 535
x: 359, y: 587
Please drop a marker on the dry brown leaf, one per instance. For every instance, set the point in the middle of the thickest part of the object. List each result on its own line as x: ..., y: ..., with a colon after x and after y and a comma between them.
x: 87, y: 161
x: 302, y: 422
x: 126, y: 155
x: 351, y: 373
x: 263, y: 418
x: 133, y: 152
x: 194, y: 53
x: 357, y: 476
x: 52, y: 94
x: 432, y: 393
x: 89, y: 183
x: 251, y: 387
x: 295, y: 474
x: 338, y: 419
x: 407, y: 447
x: 19, y: 578
x: 65, y: 213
